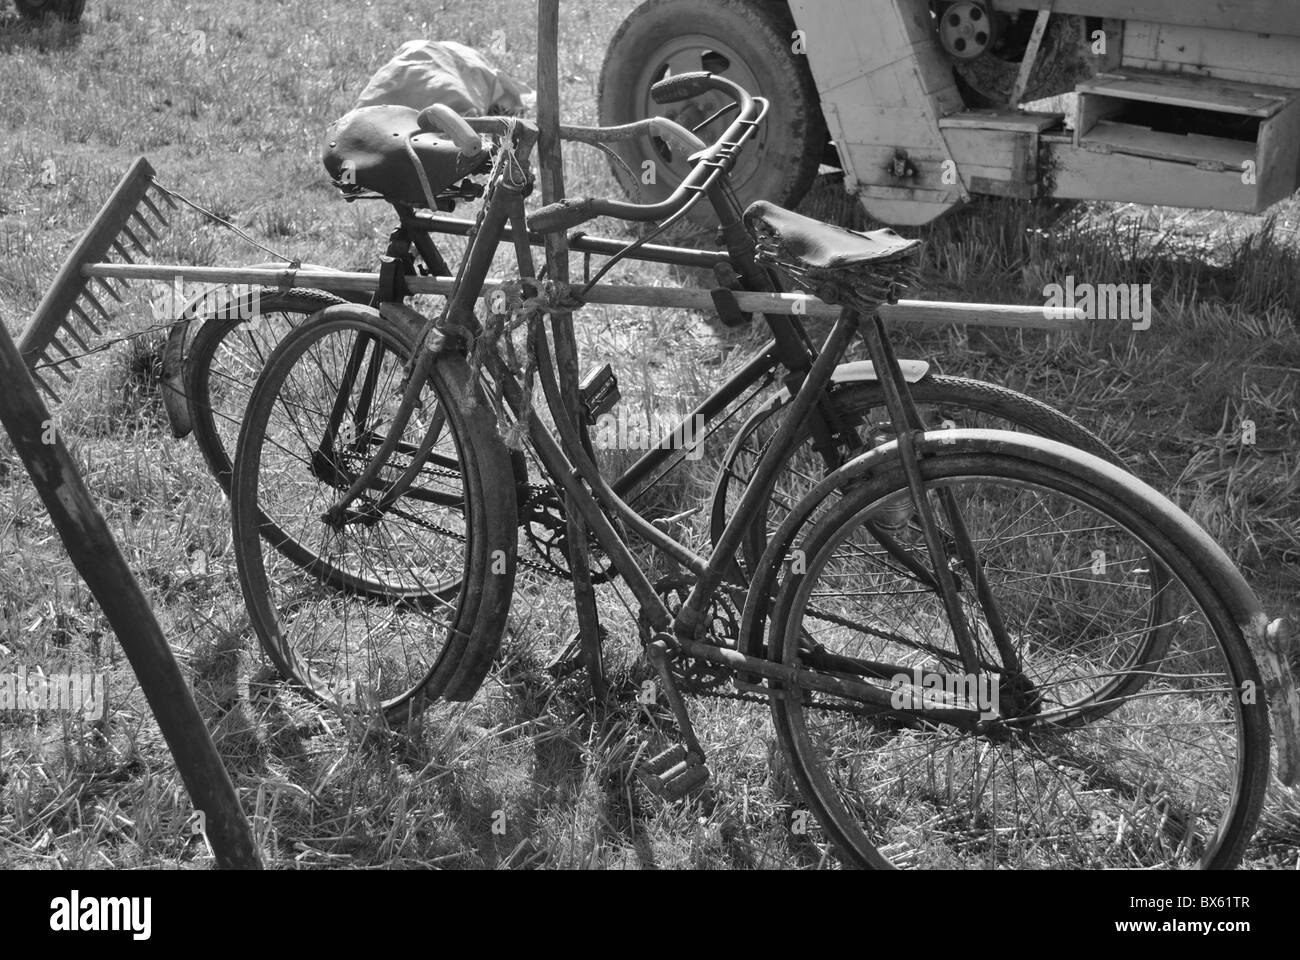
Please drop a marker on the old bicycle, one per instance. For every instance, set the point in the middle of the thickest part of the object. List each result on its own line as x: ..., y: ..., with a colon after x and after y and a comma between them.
x: 324, y: 399
x: 930, y: 567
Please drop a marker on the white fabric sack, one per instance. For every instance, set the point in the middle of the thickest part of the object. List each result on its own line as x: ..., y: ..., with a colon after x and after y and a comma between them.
x: 425, y: 72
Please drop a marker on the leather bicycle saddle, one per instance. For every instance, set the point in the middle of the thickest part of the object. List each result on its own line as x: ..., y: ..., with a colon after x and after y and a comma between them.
x: 366, y: 150
x: 819, y: 247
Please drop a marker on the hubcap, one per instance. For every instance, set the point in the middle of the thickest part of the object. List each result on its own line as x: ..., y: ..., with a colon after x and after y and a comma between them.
x: 690, y: 54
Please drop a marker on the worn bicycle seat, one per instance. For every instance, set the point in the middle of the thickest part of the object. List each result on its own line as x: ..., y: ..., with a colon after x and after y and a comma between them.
x: 821, y: 247
x: 366, y: 150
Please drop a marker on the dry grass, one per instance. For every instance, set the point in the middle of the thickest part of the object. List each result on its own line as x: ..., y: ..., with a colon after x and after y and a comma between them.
x: 238, y: 128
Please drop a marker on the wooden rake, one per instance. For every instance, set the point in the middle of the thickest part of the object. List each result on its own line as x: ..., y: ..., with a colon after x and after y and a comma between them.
x: 124, y: 228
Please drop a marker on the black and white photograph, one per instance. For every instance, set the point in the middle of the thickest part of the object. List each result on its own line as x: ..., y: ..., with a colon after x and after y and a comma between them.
x: 651, y: 435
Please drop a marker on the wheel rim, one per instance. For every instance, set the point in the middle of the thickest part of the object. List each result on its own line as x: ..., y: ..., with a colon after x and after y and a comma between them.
x: 343, y: 645
x: 1094, y: 828
x: 687, y: 54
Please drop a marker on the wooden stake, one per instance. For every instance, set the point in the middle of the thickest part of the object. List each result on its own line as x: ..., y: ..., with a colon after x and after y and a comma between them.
x: 551, y: 166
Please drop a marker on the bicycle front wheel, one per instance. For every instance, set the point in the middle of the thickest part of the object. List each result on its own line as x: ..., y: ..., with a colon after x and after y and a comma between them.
x: 1093, y: 752
x: 408, y: 599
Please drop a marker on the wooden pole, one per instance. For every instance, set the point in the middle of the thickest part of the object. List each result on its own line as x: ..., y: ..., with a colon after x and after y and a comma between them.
x: 97, y: 558
x: 927, y: 312
x: 551, y: 164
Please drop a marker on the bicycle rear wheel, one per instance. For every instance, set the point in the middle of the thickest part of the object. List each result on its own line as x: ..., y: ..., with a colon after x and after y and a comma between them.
x: 225, y: 359
x: 1171, y: 772
x: 957, y: 401
x: 420, y: 589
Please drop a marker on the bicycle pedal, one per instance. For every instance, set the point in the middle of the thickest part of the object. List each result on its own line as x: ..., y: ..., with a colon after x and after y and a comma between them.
x: 673, y: 774
x: 599, y: 391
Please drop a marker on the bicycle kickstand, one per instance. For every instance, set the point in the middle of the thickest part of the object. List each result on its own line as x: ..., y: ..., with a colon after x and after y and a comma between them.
x: 680, y: 769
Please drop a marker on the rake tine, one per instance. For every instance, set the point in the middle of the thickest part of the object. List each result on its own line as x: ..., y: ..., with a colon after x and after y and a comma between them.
x: 51, y: 365
x: 43, y: 385
x: 121, y: 250
x: 145, y: 223
x: 135, y: 241
x: 66, y: 352
x: 98, y: 306
x: 103, y: 282
x: 72, y: 331
x: 164, y: 196
x: 158, y: 214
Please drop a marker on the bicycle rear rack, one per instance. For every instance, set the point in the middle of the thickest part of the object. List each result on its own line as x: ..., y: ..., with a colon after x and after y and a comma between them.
x: 122, y: 229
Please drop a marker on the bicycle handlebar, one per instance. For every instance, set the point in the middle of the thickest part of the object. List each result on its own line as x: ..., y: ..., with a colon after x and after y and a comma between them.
x: 570, y: 213
x: 683, y: 86
x: 661, y: 127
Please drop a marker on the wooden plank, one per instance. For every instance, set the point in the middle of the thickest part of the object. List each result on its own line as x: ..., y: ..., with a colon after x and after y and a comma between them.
x: 1075, y: 173
x: 675, y: 298
x: 1111, y: 56
x: 994, y: 154
x: 1278, y: 155
x: 1226, y: 54
x: 1092, y: 109
x: 1020, y: 121
x: 1182, y: 90
x: 1108, y: 137
x: 1251, y: 16
x: 883, y: 83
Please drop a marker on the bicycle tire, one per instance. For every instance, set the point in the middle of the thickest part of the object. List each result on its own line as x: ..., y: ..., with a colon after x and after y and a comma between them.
x: 216, y: 422
x: 853, y: 401
x: 1165, y: 533
x: 470, y: 620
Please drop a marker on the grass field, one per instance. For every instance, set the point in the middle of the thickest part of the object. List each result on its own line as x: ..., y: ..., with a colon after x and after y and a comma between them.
x: 230, y: 101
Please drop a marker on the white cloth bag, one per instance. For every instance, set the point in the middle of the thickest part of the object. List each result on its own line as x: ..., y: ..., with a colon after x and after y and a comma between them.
x: 428, y: 71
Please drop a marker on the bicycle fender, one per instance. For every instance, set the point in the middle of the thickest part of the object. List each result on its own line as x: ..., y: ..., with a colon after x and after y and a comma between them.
x: 172, y: 383
x: 859, y: 371
x: 176, y: 350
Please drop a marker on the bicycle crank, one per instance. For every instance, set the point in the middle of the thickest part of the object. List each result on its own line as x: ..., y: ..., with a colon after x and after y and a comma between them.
x: 680, y: 769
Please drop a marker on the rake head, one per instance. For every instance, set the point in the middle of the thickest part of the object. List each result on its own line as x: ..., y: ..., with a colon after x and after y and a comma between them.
x: 72, y: 309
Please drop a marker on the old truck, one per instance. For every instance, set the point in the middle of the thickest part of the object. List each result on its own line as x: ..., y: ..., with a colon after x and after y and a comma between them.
x: 925, y: 103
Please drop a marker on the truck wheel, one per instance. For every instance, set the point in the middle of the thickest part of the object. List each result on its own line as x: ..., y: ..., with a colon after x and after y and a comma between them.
x: 747, y: 41
x: 69, y: 10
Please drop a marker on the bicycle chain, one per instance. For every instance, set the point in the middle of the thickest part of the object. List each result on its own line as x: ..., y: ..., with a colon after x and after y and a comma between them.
x: 536, y: 490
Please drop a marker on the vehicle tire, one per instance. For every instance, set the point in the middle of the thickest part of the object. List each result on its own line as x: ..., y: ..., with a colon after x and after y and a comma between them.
x: 746, y: 41
x: 69, y: 10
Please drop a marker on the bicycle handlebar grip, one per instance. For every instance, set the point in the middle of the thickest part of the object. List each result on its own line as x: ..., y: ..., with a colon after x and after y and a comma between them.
x: 562, y: 215
x: 440, y: 118
x: 682, y: 86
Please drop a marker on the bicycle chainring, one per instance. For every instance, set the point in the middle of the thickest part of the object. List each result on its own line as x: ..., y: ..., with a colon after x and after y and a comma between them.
x: 547, y: 530
x: 723, y: 629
